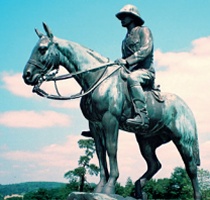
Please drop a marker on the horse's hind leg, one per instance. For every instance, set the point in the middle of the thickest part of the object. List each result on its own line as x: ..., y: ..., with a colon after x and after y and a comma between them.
x: 97, y: 133
x: 186, y: 152
x: 147, y: 148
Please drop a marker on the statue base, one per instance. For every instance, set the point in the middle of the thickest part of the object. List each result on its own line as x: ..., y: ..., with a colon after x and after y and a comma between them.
x: 96, y: 196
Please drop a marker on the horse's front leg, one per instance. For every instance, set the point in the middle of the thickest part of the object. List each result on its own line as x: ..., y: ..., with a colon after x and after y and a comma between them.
x: 97, y: 134
x: 110, y: 126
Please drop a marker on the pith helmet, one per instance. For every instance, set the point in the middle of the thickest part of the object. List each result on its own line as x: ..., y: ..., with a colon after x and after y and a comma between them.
x: 132, y: 11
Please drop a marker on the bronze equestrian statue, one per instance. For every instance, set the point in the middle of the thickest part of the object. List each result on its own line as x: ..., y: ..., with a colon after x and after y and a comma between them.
x: 106, y: 104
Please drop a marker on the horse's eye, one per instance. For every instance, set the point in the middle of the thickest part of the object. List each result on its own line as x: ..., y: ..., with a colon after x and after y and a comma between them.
x: 42, y: 49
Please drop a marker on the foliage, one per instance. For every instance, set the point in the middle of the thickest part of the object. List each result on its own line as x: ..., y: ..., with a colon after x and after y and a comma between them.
x: 157, y: 188
x: 204, y: 181
x: 127, y: 190
x: 79, y: 173
x: 119, y: 189
x: 52, y: 194
x: 21, y: 188
x: 40, y: 194
x: 57, y: 193
x: 178, y: 186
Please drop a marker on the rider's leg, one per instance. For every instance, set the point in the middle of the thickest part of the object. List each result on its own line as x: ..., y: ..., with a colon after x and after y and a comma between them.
x: 134, y: 82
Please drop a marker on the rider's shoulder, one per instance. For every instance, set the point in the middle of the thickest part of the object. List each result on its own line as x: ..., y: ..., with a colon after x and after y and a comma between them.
x: 143, y: 30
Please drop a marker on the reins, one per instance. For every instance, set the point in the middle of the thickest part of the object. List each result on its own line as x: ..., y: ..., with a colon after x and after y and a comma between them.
x: 67, y: 76
x: 82, y: 93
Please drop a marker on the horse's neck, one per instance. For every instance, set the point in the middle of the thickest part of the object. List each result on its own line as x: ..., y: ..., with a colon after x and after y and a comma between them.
x: 77, y: 58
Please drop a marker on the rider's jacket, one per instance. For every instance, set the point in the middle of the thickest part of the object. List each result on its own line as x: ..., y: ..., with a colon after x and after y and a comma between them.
x: 137, y: 49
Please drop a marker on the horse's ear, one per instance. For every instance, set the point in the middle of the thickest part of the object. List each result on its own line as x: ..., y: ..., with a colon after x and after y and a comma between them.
x: 48, y: 31
x: 38, y: 33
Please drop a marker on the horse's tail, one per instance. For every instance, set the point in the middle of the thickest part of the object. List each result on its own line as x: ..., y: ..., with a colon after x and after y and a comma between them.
x: 196, y: 152
x: 185, y: 122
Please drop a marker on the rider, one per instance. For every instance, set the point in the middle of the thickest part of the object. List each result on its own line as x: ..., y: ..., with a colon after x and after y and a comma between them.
x: 137, y: 56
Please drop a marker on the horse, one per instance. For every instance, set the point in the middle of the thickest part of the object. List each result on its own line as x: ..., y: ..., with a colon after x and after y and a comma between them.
x: 106, y: 105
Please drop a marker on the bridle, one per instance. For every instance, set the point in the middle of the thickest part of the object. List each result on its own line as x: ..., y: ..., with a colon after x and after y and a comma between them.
x: 51, y: 68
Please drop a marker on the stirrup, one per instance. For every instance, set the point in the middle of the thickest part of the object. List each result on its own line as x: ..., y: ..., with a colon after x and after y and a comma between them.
x: 141, y: 120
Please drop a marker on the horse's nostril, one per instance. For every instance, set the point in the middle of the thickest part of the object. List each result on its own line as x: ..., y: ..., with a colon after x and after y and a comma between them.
x: 28, y: 74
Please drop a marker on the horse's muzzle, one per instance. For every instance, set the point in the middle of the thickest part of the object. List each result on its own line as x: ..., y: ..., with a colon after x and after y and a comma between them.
x: 29, y: 77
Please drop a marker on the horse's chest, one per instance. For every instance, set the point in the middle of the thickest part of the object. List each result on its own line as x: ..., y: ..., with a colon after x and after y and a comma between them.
x: 101, y: 101
x: 86, y: 107
x: 92, y: 110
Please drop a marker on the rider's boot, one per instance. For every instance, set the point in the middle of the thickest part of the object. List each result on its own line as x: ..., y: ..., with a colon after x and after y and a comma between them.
x: 141, y: 119
x: 87, y: 134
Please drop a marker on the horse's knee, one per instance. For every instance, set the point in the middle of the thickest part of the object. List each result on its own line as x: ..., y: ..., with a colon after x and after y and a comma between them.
x: 154, y: 167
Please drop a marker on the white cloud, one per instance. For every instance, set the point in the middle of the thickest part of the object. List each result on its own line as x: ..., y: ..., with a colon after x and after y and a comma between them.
x: 49, y: 156
x: 15, y: 84
x: 32, y: 119
x: 187, y: 75
x: 49, y: 163
x: 201, y: 46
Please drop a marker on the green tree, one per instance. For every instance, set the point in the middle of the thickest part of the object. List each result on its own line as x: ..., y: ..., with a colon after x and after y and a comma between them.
x: 129, y: 188
x: 157, y: 189
x: 41, y: 194
x: 180, y: 185
x: 161, y: 188
x: 149, y: 188
x: 59, y: 193
x: 204, y: 181
x: 85, y: 167
x: 119, y: 189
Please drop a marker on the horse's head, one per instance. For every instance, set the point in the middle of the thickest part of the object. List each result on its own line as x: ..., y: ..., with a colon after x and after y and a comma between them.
x: 44, y: 59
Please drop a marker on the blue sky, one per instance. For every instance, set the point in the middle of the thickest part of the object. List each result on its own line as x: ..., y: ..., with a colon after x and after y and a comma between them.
x: 38, y: 136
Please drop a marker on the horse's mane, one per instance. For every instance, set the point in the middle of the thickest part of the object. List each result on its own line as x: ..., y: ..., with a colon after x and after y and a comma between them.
x: 80, y: 50
x: 97, y: 56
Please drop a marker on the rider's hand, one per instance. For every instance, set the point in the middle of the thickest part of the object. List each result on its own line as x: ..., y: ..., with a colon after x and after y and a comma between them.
x: 121, y: 61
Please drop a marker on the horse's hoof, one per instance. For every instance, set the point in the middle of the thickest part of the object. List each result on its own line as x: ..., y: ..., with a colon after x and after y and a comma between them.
x: 108, y: 189
x: 144, y: 196
x: 98, y: 189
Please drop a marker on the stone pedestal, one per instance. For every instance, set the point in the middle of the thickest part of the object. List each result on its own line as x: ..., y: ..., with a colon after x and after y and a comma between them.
x: 95, y: 196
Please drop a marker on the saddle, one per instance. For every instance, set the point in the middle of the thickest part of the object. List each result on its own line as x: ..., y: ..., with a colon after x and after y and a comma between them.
x: 154, y: 103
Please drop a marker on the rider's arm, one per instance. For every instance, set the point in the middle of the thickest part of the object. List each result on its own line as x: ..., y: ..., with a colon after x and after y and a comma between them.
x: 146, y: 47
